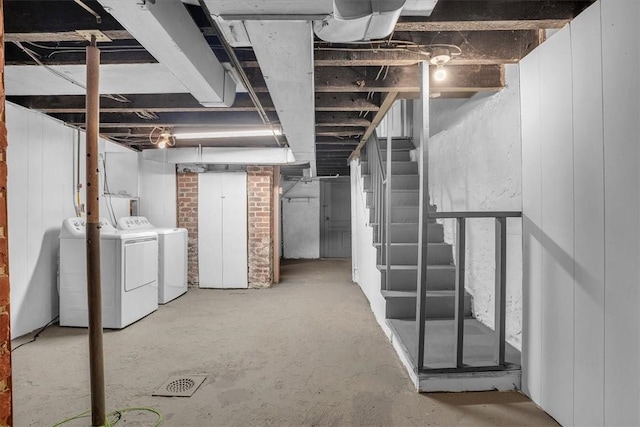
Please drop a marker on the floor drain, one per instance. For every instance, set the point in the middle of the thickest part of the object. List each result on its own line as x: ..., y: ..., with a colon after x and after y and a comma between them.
x: 181, y: 386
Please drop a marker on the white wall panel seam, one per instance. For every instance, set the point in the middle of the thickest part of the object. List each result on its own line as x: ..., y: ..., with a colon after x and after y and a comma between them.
x: 604, y: 249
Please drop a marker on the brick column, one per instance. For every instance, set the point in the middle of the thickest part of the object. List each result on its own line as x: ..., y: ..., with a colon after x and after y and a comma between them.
x: 260, y: 222
x: 6, y: 417
x: 188, y: 218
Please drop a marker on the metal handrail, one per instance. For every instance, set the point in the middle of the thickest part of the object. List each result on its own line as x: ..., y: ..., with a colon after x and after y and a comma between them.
x: 476, y: 214
x: 381, y: 187
x: 379, y: 156
x: 500, y: 287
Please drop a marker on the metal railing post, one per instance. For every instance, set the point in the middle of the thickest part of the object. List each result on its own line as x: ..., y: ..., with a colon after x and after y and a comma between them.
x: 423, y: 217
x: 500, y: 291
x: 459, y: 297
x: 387, y: 201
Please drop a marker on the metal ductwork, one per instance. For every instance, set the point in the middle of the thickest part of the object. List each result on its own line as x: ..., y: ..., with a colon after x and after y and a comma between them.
x: 167, y: 31
x: 359, y: 20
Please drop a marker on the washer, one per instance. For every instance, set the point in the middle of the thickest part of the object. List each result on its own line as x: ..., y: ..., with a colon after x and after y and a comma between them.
x: 172, y: 256
x: 128, y: 271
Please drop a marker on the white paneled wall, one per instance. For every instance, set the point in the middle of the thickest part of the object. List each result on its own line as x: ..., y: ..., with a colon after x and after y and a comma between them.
x: 40, y: 196
x: 581, y: 203
x: 157, y: 190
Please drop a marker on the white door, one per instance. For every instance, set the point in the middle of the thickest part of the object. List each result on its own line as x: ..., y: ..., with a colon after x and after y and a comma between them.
x: 222, y: 230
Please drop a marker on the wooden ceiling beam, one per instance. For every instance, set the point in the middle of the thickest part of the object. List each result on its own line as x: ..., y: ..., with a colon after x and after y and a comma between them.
x: 341, y: 120
x: 157, y: 103
x: 500, y: 25
x: 501, y: 10
x: 346, y: 102
x: 195, y: 119
x: 338, y: 131
x: 477, y: 48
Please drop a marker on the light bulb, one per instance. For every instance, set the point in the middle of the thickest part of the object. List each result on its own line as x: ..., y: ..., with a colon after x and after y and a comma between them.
x: 440, y: 73
x: 162, y: 143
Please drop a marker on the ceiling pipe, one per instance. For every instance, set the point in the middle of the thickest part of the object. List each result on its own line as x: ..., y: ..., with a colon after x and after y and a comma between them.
x: 359, y: 20
x: 167, y: 31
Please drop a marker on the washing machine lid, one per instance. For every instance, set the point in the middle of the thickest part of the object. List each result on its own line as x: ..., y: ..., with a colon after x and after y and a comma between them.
x: 75, y: 228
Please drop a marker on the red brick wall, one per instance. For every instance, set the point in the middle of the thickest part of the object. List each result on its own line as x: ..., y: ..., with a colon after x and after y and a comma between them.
x: 5, y: 327
x: 188, y: 218
x: 260, y: 210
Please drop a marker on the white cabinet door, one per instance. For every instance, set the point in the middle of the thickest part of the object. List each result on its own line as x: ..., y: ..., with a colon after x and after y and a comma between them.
x: 222, y: 230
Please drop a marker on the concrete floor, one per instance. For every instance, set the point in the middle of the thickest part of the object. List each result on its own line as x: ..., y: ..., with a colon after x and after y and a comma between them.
x: 306, y: 352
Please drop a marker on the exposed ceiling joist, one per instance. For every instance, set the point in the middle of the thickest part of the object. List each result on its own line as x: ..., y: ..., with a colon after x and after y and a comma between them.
x: 513, y: 25
x: 384, y: 108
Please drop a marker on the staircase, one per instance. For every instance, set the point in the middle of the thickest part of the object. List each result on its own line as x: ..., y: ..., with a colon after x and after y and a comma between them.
x: 400, y: 290
x: 401, y: 293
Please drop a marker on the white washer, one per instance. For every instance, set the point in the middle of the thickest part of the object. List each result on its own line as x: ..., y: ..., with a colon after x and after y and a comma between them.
x: 128, y: 272
x: 172, y: 256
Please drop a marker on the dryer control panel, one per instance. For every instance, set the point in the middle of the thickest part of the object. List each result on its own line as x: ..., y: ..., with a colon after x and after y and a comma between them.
x: 134, y: 223
x: 76, y: 227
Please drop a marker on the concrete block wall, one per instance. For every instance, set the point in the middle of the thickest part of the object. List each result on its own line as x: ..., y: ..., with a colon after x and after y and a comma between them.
x: 260, y: 223
x: 188, y: 218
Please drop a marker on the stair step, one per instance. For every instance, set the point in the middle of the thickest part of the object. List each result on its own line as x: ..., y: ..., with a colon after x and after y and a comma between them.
x: 400, y: 182
x: 400, y: 214
x: 408, y: 232
x: 440, y: 304
x: 399, y: 143
x: 398, y: 198
x: 439, y: 277
x: 397, y: 168
x: 407, y: 253
x: 397, y: 155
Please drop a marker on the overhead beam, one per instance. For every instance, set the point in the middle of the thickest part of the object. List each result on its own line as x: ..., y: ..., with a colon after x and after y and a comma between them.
x: 338, y: 131
x: 197, y: 119
x: 500, y: 10
x: 341, y: 120
x: 346, y: 102
x: 521, y: 24
x: 477, y: 48
x: 63, y: 36
x: 157, y: 103
x: 184, y: 102
x: 398, y: 79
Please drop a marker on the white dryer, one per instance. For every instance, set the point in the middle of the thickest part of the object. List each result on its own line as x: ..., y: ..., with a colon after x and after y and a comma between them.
x: 128, y: 271
x: 172, y: 256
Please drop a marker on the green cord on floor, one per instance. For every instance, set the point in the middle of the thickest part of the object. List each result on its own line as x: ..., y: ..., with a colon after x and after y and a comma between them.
x: 114, y: 417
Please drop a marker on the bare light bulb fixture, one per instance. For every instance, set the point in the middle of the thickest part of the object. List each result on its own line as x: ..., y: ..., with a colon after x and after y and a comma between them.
x: 440, y: 56
x: 162, y: 138
x: 440, y: 74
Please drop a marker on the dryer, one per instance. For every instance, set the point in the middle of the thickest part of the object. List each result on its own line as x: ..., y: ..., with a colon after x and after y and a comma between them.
x: 128, y: 271
x: 172, y: 256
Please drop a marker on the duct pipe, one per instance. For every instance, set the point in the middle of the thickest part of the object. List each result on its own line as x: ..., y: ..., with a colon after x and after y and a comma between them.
x: 358, y: 20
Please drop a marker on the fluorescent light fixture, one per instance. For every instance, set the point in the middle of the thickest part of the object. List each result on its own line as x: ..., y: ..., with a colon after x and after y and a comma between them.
x: 240, y: 133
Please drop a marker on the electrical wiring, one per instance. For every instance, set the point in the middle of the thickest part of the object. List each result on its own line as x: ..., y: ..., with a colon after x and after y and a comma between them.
x: 114, y: 417
x: 35, y: 337
x: 34, y: 56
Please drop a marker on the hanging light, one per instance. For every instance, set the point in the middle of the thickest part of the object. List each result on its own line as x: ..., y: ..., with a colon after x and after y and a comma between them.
x: 162, y: 138
x: 440, y: 56
x: 440, y: 74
